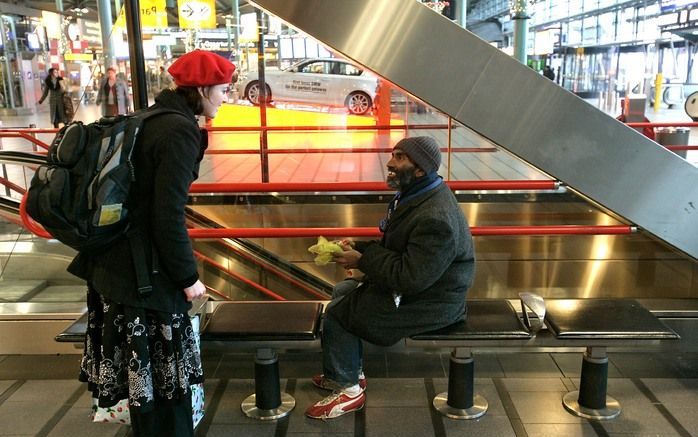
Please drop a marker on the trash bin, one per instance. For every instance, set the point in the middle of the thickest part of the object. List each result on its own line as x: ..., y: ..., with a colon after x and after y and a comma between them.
x: 673, y: 136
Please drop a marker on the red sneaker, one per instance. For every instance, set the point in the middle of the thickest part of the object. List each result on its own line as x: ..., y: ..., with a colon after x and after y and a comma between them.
x: 320, y: 381
x: 337, y: 404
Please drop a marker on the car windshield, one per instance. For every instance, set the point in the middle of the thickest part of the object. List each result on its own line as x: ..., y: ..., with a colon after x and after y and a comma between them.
x: 325, y: 66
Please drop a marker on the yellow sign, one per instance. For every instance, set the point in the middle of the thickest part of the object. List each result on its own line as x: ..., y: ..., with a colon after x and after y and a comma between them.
x: 77, y: 56
x: 153, y: 15
x: 197, y: 14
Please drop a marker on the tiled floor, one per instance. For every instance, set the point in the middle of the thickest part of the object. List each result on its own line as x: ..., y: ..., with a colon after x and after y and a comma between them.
x: 39, y: 396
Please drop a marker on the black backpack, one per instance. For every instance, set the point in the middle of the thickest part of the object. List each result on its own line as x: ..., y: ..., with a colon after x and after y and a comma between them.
x: 81, y: 194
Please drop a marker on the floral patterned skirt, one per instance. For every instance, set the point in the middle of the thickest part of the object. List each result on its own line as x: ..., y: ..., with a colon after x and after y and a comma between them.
x: 144, y: 355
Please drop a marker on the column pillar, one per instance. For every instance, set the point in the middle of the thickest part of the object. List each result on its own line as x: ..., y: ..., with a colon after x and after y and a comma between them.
x: 519, y: 13
x: 105, y: 24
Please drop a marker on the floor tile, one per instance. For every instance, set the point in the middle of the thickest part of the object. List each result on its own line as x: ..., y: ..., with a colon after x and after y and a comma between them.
x: 529, y: 365
x: 557, y: 430
x: 40, y: 367
x: 542, y: 408
x: 410, y: 421
x: 534, y: 384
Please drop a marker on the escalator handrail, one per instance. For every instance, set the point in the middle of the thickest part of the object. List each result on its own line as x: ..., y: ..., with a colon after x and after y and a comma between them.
x: 287, y: 187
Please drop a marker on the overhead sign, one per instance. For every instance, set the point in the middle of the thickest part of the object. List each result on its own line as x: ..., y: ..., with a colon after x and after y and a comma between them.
x: 77, y: 56
x: 197, y: 14
x: 153, y: 15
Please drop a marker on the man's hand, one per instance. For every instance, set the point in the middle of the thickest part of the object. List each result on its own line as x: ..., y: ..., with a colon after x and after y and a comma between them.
x: 348, y: 258
x: 194, y: 291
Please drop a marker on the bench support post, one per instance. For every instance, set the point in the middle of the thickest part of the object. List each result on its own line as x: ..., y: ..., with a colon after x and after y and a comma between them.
x: 267, y: 403
x: 591, y: 400
x: 460, y: 402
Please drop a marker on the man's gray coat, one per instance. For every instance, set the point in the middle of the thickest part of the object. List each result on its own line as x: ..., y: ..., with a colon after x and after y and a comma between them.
x: 426, y: 255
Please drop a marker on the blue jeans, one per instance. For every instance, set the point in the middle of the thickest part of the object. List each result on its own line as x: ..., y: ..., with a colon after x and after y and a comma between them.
x: 341, y: 350
x: 342, y: 353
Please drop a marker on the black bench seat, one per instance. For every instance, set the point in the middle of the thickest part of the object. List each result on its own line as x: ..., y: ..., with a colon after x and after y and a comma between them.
x: 75, y: 332
x: 597, y: 324
x: 265, y: 327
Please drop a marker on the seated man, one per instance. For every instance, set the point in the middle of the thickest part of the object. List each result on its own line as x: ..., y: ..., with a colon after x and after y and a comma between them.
x: 416, y: 278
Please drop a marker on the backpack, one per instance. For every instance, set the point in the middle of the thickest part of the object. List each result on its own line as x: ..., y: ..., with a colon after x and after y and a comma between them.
x: 81, y: 194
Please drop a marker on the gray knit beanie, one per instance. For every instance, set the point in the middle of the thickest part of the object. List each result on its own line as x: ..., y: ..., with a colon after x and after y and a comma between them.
x: 423, y: 151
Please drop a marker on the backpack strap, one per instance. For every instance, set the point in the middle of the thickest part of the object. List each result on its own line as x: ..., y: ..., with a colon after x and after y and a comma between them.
x: 143, y: 284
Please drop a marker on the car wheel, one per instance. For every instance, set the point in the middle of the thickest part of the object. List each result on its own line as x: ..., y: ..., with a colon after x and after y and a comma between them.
x: 358, y: 103
x: 252, y: 93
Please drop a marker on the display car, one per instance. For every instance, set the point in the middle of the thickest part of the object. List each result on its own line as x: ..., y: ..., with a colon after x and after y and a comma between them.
x: 331, y: 82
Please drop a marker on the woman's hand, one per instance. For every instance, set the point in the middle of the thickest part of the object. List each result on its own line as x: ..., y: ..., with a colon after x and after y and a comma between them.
x: 194, y: 291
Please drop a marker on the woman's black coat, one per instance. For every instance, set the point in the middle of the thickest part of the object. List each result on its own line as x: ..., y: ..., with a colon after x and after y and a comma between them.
x: 166, y: 161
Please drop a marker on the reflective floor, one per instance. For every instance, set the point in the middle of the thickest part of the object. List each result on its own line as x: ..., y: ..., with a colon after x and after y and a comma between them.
x: 39, y: 396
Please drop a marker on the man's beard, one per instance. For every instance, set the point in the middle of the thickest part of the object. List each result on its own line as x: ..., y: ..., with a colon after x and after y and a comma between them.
x: 401, y: 179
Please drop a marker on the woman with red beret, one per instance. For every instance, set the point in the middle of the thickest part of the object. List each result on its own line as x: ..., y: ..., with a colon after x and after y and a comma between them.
x: 141, y: 346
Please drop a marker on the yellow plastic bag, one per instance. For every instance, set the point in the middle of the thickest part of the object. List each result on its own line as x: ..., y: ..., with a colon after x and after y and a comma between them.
x: 324, y: 250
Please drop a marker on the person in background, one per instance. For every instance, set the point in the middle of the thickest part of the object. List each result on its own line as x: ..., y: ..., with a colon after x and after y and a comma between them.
x: 165, y: 79
x: 113, y: 95
x: 549, y: 73
x: 138, y: 345
x: 416, y: 276
x: 54, y: 89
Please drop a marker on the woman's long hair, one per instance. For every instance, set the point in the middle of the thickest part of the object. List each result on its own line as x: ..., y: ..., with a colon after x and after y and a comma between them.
x: 192, y: 97
x: 49, y: 83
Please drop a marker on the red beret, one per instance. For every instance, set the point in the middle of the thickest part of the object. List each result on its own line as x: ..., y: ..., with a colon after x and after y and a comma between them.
x: 201, y: 68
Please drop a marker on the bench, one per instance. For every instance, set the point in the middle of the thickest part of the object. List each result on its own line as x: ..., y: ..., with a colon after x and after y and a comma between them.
x: 265, y: 327
x: 595, y: 324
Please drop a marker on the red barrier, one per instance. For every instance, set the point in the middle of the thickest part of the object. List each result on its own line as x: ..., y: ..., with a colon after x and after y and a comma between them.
x: 240, y: 278
x: 664, y: 124
x: 375, y: 232
x: 340, y: 150
x: 281, y: 187
x: 284, y: 277
x: 12, y: 186
x: 217, y: 293
x: 29, y: 223
x: 325, y: 128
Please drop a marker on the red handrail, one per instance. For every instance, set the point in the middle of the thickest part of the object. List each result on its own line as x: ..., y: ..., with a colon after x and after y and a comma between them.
x: 4, y: 133
x: 339, y: 150
x: 265, y: 187
x: 663, y: 124
x: 12, y: 186
x: 217, y: 293
x: 375, y: 232
x: 29, y: 223
x: 325, y: 128
x: 274, y: 272
x: 674, y: 148
x: 240, y: 278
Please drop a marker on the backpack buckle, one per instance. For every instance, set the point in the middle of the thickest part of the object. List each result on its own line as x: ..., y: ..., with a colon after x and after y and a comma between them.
x: 145, y: 291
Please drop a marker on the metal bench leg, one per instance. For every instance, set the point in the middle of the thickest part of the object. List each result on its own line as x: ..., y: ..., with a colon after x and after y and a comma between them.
x: 460, y: 402
x: 267, y: 402
x: 591, y: 401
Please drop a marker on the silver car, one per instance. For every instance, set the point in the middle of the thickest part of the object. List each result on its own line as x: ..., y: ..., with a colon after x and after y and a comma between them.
x: 331, y: 82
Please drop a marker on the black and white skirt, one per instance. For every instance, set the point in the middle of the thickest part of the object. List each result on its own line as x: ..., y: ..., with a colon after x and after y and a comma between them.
x: 144, y: 355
